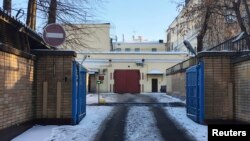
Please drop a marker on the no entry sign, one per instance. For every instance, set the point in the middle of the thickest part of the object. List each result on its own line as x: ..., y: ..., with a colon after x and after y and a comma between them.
x: 54, y: 35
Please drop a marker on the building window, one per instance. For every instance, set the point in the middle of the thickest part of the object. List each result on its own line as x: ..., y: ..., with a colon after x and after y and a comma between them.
x: 127, y: 49
x: 154, y: 49
x: 118, y: 49
x: 137, y: 49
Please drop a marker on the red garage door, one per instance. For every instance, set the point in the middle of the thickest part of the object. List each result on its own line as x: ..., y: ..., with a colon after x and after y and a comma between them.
x: 127, y: 81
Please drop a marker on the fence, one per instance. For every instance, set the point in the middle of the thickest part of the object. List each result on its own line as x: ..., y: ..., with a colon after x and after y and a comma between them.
x: 233, y: 44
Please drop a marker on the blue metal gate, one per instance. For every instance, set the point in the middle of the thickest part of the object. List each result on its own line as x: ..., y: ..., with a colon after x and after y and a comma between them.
x: 78, y: 92
x: 195, y: 92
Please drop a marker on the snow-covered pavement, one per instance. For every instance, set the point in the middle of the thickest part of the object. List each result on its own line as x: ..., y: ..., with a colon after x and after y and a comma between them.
x: 196, y: 130
x: 142, y: 128
x: 109, y: 97
x: 85, y: 131
x: 179, y: 115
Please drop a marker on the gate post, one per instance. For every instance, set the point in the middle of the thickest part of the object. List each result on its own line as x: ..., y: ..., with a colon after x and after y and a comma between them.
x: 74, y: 92
x: 201, y: 91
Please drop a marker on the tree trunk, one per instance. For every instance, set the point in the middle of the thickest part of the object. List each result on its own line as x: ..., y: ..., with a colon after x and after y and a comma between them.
x: 199, y: 43
x: 31, y: 14
x: 248, y: 14
x: 52, y: 11
x: 236, y: 7
x: 7, y: 6
x: 203, y: 31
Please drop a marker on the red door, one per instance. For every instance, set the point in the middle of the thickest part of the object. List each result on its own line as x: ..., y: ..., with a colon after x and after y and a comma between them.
x: 127, y: 81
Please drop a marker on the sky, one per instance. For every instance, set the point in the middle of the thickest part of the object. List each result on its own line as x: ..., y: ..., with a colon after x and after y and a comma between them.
x: 147, y: 18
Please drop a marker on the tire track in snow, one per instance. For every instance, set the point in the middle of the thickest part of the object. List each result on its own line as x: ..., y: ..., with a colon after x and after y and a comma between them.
x: 169, y: 130
x: 114, y: 128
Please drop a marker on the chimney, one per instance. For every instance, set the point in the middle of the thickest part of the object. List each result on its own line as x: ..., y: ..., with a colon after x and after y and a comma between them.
x: 160, y: 41
x: 140, y: 38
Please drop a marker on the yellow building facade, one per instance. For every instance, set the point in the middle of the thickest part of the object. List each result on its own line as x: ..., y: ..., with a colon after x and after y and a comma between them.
x: 120, y: 64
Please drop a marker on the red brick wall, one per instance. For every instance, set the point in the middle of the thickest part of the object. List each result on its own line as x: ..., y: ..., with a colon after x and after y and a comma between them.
x: 242, y: 90
x: 16, y: 81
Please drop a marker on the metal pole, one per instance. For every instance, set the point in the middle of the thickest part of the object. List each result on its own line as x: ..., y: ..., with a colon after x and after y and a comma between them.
x: 98, y: 93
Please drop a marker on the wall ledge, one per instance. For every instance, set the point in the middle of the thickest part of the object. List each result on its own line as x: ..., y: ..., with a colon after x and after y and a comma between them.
x: 54, y: 52
x: 17, y: 52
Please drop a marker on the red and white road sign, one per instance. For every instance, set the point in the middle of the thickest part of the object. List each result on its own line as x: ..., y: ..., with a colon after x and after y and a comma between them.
x: 54, y: 35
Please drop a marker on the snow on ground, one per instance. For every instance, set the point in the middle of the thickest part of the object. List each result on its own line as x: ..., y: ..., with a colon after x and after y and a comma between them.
x: 141, y: 129
x: 88, y: 127
x: 37, y: 133
x: 162, y: 97
x: 196, y: 130
x: 109, y: 97
x: 85, y: 131
x: 178, y: 114
x: 199, y: 132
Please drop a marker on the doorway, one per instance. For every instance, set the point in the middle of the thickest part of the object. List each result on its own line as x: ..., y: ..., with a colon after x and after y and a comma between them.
x: 92, y: 83
x: 154, y: 85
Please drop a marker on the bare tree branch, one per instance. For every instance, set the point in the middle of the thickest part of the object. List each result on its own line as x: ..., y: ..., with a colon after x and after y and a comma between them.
x: 213, y: 18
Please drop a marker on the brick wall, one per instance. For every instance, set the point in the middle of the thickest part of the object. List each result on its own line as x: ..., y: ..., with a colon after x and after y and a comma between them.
x: 226, y: 85
x: 176, y: 78
x: 178, y: 81
x: 16, y: 77
x: 242, y: 90
x: 218, y: 90
x: 54, y: 70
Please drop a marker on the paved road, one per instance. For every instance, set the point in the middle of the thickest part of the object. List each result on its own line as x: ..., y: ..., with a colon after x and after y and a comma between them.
x: 114, y: 128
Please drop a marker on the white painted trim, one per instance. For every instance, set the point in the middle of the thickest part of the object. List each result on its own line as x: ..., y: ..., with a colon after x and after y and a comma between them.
x: 54, y: 35
x: 134, y: 53
x: 133, y: 60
